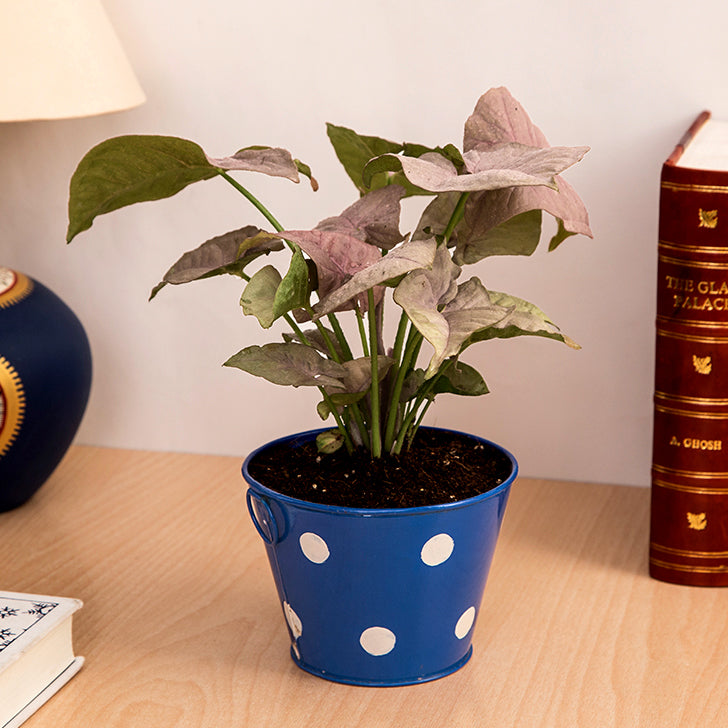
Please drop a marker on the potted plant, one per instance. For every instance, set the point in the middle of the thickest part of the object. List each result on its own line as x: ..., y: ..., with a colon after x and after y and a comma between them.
x: 379, y: 531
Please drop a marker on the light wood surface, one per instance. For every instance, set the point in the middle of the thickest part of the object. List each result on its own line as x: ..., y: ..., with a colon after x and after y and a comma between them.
x: 181, y: 624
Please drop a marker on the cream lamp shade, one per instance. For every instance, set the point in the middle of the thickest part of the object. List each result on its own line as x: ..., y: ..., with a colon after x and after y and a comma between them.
x: 61, y: 59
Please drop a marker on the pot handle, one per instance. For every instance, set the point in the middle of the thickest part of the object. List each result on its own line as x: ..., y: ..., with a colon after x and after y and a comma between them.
x: 262, y: 517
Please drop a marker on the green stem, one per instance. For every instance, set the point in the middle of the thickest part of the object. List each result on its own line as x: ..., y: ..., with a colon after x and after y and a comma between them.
x: 375, y: 425
x: 362, y: 332
x: 399, y: 338
x: 408, y: 429
x: 340, y: 336
x: 391, y: 404
x: 339, y: 422
x: 409, y: 358
x: 267, y: 214
x: 457, y: 215
x: 292, y: 323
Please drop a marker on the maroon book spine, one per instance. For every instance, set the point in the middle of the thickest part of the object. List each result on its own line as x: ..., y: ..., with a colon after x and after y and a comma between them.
x: 689, y: 498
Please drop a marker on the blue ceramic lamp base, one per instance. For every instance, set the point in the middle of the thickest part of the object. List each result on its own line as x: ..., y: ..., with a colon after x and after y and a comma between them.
x: 45, y: 380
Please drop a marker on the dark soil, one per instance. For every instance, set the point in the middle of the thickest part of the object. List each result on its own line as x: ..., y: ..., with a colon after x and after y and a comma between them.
x: 440, y: 467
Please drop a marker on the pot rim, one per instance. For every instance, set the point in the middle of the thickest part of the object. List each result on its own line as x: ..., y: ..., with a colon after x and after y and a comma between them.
x: 307, y: 435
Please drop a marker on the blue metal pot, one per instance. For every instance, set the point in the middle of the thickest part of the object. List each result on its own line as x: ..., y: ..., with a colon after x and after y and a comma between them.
x: 378, y: 597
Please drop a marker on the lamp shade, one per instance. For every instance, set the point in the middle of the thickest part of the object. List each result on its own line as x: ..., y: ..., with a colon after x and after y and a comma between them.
x: 61, y: 59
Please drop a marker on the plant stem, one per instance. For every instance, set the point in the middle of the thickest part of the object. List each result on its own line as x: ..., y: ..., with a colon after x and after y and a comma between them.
x: 409, y: 426
x: 343, y: 429
x: 340, y: 336
x: 375, y: 425
x: 267, y: 214
x: 391, y: 403
x: 362, y: 332
x: 457, y: 215
x: 297, y: 330
x: 409, y: 358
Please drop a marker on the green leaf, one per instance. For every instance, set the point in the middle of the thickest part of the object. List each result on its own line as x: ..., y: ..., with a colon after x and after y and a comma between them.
x: 340, y: 399
x: 293, y: 289
x: 460, y: 378
x: 423, y: 293
x: 355, y: 150
x: 449, y: 329
x: 224, y: 254
x: 316, y: 339
x: 329, y: 441
x: 412, y: 383
x: 288, y: 364
x: 259, y: 296
x: 305, y: 170
x: 505, y: 222
x: 561, y: 234
x: 357, y: 378
x: 477, y: 239
x: 449, y: 151
x: 523, y: 319
x: 129, y: 169
x: 268, y: 297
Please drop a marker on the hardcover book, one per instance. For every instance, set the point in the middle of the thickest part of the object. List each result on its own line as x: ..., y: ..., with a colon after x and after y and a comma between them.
x: 36, y: 652
x: 689, y: 500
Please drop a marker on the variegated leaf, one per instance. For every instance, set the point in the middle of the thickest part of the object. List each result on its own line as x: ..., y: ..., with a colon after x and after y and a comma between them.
x: 288, y: 364
x: 228, y: 253
x: 373, y: 219
x: 401, y: 260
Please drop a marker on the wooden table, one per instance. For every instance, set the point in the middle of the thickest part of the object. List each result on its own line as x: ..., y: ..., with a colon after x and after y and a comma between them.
x: 181, y: 624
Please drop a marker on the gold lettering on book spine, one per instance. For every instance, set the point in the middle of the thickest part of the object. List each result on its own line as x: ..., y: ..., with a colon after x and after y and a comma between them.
x: 708, y: 218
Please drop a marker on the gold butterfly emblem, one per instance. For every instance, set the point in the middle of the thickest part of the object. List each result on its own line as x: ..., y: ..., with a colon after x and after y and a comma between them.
x: 702, y: 364
x: 697, y: 521
x: 708, y: 218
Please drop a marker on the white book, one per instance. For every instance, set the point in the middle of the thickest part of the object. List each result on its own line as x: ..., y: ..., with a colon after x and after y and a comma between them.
x: 36, y: 652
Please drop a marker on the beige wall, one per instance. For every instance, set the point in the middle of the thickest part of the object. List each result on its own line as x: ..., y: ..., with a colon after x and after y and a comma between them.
x: 625, y: 79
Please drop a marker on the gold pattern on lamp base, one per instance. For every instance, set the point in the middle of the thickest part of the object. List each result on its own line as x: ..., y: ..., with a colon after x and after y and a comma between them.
x: 12, y: 405
x: 14, y: 287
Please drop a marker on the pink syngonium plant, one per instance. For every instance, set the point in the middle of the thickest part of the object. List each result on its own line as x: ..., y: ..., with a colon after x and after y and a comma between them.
x: 487, y: 200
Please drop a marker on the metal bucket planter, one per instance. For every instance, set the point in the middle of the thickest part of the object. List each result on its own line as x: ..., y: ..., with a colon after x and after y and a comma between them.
x: 378, y: 597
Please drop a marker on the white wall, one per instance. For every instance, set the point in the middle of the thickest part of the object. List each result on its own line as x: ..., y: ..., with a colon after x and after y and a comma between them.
x: 625, y: 77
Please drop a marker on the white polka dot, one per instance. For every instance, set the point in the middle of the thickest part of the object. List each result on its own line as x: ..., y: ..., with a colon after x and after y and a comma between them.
x: 314, y: 547
x: 465, y: 623
x: 294, y: 621
x: 437, y: 550
x: 377, y: 641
